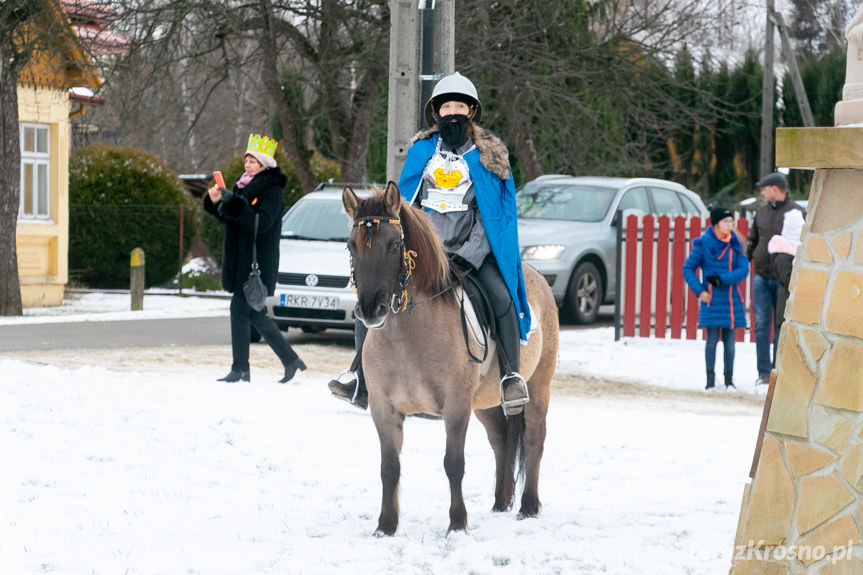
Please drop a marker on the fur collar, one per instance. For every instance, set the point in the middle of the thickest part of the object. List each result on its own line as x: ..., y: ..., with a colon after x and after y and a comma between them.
x: 492, y: 151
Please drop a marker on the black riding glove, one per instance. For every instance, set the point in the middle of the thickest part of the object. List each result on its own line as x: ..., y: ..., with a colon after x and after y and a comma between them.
x: 713, y: 280
x: 461, y: 263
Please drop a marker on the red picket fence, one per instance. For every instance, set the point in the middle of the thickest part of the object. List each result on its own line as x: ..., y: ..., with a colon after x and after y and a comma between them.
x: 653, y: 299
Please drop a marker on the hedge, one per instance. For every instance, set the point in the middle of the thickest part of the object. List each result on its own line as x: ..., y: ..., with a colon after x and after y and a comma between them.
x: 121, y: 199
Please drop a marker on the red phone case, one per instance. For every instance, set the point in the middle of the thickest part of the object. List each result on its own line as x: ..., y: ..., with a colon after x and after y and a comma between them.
x: 219, y: 180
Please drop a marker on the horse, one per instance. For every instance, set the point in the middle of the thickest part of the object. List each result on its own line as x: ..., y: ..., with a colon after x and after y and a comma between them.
x: 415, y: 358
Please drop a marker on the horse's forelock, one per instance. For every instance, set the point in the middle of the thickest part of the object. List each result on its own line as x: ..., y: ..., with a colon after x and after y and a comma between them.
x: 432, y: 267
x: 369, y: 207
x: 372, y: 206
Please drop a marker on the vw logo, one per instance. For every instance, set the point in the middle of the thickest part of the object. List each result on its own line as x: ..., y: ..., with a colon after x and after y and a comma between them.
x: 311, y: 280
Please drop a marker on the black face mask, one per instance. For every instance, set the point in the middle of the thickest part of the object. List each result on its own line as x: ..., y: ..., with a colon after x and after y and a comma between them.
x: 453, y: 130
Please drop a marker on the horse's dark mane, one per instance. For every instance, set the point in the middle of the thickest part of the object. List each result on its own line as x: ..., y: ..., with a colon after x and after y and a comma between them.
x: 431, y: 272
x: 432, y: 265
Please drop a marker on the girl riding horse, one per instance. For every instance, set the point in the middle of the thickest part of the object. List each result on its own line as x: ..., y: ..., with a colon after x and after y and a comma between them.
x: 459, y: 174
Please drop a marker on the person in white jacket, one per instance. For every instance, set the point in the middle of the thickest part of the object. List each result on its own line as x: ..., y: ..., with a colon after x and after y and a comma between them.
x: 782, y: 249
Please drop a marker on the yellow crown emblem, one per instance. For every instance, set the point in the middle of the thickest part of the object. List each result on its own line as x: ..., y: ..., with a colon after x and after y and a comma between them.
x: 262, y: 144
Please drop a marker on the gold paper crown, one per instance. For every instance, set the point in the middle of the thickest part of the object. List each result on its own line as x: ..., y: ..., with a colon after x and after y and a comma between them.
x: 262, y: 144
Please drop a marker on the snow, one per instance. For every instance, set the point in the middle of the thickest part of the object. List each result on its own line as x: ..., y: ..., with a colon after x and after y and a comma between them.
x: 158, y: 468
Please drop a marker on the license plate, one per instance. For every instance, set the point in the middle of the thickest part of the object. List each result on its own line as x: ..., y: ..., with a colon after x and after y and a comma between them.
x: 309, y: 301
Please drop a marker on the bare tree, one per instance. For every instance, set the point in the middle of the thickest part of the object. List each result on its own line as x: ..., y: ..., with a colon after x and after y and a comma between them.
x: 29, y: 29
x: 203, y: 72
x: 183, y: 91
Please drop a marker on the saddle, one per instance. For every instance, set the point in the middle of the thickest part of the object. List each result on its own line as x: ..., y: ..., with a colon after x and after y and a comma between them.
x: 479, y: 324
x: 477, y: 318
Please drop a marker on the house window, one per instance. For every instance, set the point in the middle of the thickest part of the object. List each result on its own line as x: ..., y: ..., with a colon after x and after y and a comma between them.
x: 34, y: 171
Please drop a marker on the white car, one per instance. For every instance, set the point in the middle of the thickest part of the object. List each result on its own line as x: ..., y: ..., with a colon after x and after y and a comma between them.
x: 312, y: 288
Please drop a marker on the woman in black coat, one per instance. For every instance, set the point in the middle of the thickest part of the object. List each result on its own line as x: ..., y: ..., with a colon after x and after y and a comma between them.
x: 257, y: 192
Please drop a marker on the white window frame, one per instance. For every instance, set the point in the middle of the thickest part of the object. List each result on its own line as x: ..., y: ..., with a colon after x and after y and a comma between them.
x: 36, y: 164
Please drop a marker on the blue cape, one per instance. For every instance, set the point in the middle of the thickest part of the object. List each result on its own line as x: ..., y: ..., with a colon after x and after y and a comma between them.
x: 496, y: 201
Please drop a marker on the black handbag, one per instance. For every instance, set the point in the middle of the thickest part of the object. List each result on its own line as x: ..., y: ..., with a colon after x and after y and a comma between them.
x: 254, y: 288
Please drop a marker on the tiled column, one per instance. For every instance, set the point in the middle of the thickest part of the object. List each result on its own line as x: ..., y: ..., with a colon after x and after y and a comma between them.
x: 801, y: 515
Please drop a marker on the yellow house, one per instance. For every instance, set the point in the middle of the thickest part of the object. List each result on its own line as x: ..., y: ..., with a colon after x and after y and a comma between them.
x: 44, y: 110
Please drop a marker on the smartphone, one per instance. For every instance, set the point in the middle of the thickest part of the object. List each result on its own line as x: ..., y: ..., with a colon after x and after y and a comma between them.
x: 220, y: 181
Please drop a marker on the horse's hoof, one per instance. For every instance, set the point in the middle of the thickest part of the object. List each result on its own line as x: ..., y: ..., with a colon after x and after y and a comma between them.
x: 502, y: 507
x: 528, y: 514
x: 378, y: 533
x: 463, y: 529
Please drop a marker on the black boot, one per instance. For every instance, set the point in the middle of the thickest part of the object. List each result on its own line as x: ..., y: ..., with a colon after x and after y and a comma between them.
x: 513, y: 387
x: 729, y: 385
x: 513, y: 394
x: 711, y: 380
x: 353, y: 391
x: 236, y: 376
x: 291, y: 370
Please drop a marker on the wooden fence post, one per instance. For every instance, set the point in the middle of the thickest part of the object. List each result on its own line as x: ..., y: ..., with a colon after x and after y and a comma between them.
x: 136, y: 279
x: 180, y: 273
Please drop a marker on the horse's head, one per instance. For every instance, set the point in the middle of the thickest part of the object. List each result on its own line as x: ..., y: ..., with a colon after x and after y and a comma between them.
x: 377, y: 249
x: 391, y: 246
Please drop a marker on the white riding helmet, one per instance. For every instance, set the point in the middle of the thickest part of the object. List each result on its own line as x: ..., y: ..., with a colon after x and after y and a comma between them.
x: 455, y: 84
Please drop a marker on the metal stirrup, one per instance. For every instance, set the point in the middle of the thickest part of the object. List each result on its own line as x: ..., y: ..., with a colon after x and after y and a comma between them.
x: 514, y: 402
x: 356, y: 378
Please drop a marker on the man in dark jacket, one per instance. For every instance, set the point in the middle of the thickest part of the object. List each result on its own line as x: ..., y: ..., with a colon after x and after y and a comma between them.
x: 769, y: 221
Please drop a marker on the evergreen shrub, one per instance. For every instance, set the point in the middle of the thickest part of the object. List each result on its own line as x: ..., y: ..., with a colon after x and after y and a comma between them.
x: 121, y: 199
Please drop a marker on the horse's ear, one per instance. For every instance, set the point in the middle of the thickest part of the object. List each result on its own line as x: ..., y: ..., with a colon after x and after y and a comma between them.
x: 393, y: 199
x: 351, y: 202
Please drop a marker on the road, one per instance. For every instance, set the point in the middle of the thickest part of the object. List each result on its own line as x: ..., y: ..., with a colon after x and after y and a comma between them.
x: 161, y: 333
x: 137, y: 334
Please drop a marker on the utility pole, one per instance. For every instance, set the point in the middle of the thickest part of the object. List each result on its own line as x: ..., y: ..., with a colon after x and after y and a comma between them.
x: 402, y: 114
x: 427, y: 76
x: 796, y: 79
x: 444, y: 54
x: 766, y: 164
x: 433, y: 46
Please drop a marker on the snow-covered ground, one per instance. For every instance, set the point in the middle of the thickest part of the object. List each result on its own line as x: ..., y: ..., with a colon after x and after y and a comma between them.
x: 157, y: 468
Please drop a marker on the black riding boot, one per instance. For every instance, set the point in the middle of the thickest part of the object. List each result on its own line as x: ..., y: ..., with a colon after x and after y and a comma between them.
x: 513, y: 387
x: 711, y: 380
x: 354, y: 390
x: 729, y: 384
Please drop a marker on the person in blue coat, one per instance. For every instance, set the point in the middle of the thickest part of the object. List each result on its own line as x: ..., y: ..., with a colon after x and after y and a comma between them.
x: 720, y: 252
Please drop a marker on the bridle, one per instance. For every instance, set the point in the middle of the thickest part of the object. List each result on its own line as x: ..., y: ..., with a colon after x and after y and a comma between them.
x: 399, y: 300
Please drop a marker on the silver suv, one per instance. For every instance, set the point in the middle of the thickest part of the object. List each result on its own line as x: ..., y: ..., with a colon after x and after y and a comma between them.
x: 567, y: 231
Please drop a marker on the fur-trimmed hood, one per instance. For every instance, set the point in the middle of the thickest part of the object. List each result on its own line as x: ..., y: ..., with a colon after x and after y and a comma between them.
x: 493, y: 153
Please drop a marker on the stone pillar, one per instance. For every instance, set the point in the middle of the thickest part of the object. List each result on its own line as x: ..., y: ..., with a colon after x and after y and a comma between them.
x: 801, y: 515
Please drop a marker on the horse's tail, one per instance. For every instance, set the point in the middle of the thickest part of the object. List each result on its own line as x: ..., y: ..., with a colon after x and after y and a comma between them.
x: 515, y: 452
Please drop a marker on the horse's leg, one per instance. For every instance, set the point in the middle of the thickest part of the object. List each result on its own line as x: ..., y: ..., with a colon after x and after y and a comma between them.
x: 390, y: 426
x: 494, y: 422
x: 453, y: 463
x: 534, y: 440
